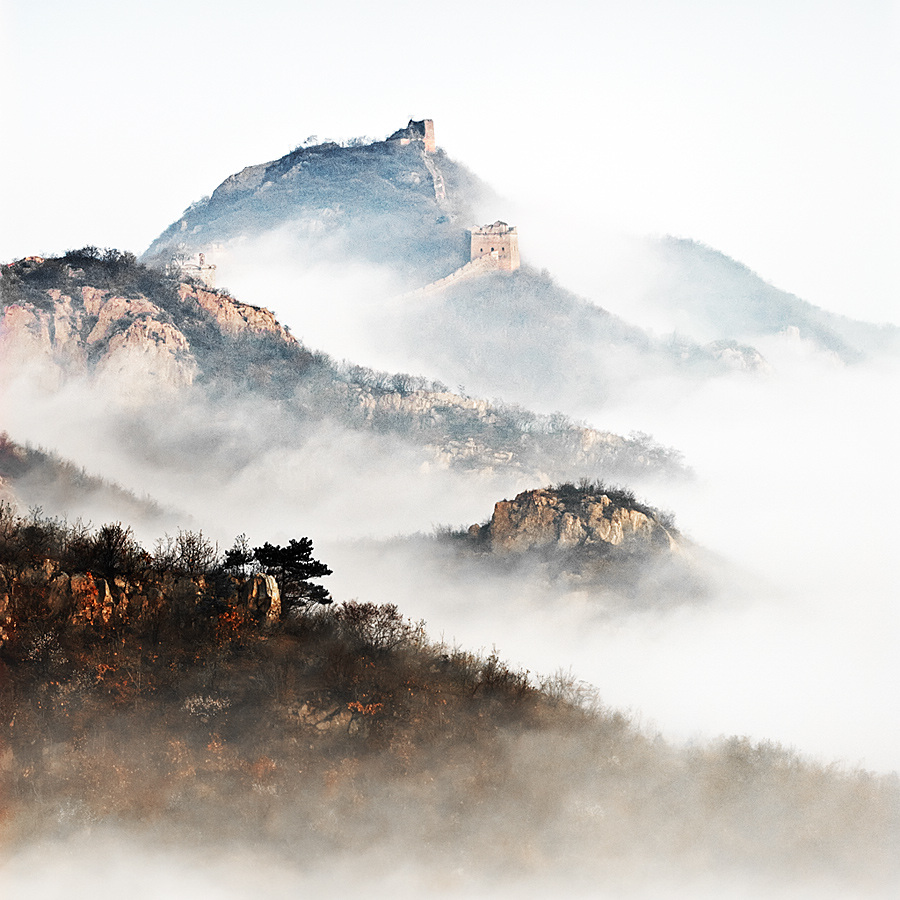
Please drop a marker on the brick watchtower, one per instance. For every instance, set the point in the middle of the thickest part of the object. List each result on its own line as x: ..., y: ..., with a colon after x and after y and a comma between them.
x: 499, y: 242
x: 422, y: 130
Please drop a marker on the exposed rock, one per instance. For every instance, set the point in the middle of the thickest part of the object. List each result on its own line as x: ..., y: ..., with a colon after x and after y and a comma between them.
x: 738, y: 356
x: 333, y: 718
x: 87, y: 602
x: 149, y: 337
x: 128, y: 341
x: 547, y: 518
x: 232, y: 317
x: 114, y: 310
x: 262, y: 598
x: 149, y: 354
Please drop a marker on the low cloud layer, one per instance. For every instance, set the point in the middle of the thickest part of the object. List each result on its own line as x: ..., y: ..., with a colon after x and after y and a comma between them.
x: 793, y: 490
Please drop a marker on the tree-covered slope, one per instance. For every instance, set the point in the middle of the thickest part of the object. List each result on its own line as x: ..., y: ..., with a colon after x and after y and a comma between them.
x: 179, y: 712
x: 175, y: 369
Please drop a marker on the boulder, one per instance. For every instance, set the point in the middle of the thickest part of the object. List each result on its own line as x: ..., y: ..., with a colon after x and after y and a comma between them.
x: 262, y: 598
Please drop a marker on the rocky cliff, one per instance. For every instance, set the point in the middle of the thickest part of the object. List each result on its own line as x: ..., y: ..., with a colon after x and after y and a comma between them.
x: 570, y: 519
x: 86, y: 599
x: 107, y: 317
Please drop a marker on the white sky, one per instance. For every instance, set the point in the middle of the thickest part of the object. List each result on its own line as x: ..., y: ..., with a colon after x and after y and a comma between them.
x: 769, y: 130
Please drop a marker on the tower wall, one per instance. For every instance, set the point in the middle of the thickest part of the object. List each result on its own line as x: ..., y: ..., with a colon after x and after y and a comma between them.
x: 430, y: 145
x: 499, y: 242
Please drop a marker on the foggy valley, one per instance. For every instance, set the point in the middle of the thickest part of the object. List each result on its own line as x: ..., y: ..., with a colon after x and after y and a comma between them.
x: 678, y: 679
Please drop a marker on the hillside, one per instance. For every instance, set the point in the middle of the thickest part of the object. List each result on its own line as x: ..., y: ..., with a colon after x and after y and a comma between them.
x: 404, y: 211
x: 374, y: 201
x: 526, y: 338
x: 34, y: 478
x: 401, y: 215
x: 708, y: 296
x: 589, y: 541
x: 103, y: 339
x: 183, y: 711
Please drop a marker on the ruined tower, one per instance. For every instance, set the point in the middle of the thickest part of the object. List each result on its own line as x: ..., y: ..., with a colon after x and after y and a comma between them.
x: 195, y: 267
x: 499, y: 242
x: 417, y: 131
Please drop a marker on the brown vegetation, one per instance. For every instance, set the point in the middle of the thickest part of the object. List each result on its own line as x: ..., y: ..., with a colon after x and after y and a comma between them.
x: 341, y: 727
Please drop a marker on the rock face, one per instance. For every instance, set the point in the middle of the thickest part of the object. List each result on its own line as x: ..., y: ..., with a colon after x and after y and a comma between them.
x: 118, y: 338
x: 262, y: 598
x: 84, y: 599
x: 548, y: 518
x: 140, y: 337
x: 131, y: 341
x: 232, y: 317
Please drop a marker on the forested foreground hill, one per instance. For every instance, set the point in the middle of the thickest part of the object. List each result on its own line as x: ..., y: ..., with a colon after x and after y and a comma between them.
x: 188, y: 710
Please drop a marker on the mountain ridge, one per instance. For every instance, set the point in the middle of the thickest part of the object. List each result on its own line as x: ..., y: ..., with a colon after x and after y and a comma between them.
x: 519, y: 335
x: 142, y: 337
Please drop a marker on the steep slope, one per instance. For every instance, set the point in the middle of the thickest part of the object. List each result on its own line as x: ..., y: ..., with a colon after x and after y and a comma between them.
x: 162, y: 702
x: 590, y: 540
x: 524, y: 337
x: 380, y: 202
x: 589, y: 518
x: 405, y: 211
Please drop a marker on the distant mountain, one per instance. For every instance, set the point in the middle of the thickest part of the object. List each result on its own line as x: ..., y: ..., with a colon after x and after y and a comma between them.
x: 707, y: 296
x: 519, y: 335
x: 386, y: 202
x: 524, y: 337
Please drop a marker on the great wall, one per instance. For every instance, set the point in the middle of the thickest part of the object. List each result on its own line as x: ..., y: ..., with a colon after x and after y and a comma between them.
x: 492, y: 248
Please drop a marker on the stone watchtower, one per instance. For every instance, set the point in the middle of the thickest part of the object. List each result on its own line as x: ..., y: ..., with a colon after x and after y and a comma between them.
x: 417, y: 131
x: 499, y: 242
x: 195, y: 267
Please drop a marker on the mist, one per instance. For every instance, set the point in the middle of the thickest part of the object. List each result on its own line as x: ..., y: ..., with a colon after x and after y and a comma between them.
x: 794, y: 497
x: 793, y: 494
x: 789, y: 502
x: 147, y: 868
x: 785, y: 520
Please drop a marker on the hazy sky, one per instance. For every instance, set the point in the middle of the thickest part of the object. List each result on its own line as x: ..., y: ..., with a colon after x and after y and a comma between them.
x: 767, y: 130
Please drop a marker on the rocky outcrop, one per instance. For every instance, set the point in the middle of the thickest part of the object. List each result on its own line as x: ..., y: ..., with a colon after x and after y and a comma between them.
x: 135, y: 338
x: 147, y: 336
x: 126, y: 340
x: 85, y: 599
x: 147, y: 355
x: 232, y: 317
x: 546, y: 519
x: 262, y: 599
x: 740, y: 357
